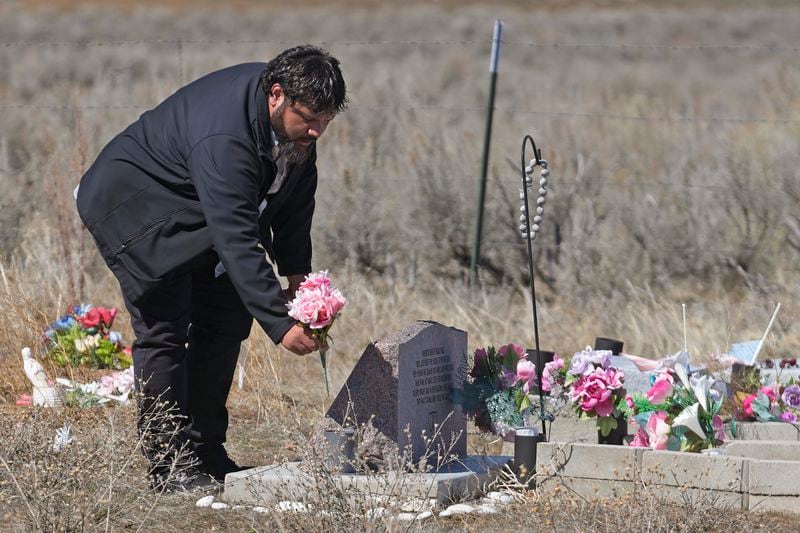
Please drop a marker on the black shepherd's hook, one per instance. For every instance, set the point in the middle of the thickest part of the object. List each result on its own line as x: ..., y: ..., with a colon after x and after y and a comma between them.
x: 537, y: 154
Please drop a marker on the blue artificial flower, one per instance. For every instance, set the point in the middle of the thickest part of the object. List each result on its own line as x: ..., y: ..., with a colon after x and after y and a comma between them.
x: 114, y: 336
x: 64, y: 322
x: 50, y: 333
x: 81, y: 309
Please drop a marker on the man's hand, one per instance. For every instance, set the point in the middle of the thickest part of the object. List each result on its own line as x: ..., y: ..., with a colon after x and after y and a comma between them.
x: 294, y: 283
x: 299, y: 341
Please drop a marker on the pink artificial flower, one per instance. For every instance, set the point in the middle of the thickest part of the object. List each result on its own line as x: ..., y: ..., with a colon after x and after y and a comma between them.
x: 594, y: 392
x: 526, y: 372
x: 24, y: 399
x: 658, y: 430
x: 316, y: 280
x: 660, y: 391
x: 549, y: 372
x: 629, y: 401
x: 517, y: 349
x: 719, y: 428
x: 640, y: 439
x: 788, y: 416
x: 316, y: 307
x: 770, y: 393
x: 747, y: 404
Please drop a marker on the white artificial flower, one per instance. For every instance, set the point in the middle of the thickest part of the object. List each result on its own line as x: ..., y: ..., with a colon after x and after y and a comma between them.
x: 688, y: 418
x: 62, y: 438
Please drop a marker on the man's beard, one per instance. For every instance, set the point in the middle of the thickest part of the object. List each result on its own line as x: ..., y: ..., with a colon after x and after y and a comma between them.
x: 287, y: 148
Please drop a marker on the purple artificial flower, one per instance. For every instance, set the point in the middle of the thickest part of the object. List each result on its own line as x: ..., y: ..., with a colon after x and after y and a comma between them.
x: 580, y: 365
x: 788, y: 416
x: 791, y: 396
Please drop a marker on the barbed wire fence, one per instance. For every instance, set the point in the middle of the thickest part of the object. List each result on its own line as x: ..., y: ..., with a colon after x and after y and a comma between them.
x: 179, y: 45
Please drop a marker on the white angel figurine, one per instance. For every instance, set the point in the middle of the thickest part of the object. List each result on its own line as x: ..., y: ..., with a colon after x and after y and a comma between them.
x: 43, y: 392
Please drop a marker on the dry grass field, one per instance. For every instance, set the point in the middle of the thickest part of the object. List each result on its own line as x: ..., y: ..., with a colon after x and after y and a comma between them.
x: 673, y: 133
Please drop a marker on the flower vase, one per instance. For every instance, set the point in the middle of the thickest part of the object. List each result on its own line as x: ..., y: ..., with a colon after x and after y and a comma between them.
x: 617, y: 435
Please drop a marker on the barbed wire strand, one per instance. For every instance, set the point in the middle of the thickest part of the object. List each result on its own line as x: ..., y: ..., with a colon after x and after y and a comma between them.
x: 451, y: 109
x: 415, y: 42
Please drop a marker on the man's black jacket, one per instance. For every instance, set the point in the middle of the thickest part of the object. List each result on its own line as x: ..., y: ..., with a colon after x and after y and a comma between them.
x: 188, y: 177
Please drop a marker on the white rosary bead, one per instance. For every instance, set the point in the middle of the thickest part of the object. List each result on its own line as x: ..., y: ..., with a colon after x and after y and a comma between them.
x: 545, y: 172
x: 544, y: 164
x: 528, y: 170
x: 523, y: 218
x: 539, y: 210
x: 537, y: 219
x: 543, y: 182
x: 540, y: 200
x: 521, y: 195
x: 535, y: 228
x: 523, y: 209
x: 523, y: 227
x: 528, y: 179
x: 542, y: 191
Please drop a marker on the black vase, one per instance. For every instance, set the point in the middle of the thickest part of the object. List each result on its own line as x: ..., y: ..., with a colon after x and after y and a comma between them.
x: 617, y: 436
x: 602, y: 343
x: 525, y: 442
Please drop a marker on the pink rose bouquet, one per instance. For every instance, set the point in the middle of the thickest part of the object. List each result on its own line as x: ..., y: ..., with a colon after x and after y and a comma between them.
x: 316, y: 304
x: 596, y: 388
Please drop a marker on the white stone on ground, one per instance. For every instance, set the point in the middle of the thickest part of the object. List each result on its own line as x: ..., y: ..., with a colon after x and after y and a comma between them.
x: 486, y: 508
x: 407, y: 517
x: 500, y: 497
x: 205, y: 501
x: 294, y: 507
x: 459, y: 508
x: 260, y: 509
x: 219, y: 505
x: 423, y: 516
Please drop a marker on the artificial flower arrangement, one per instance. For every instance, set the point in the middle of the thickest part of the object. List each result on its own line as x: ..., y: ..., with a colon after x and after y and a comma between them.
x: 778, y: 402
x: 679, y: 412
x: 316, y: 304
x: 596, y: 388
x: 83, y: 337
x: 496, y: 396
x: 117, y: 386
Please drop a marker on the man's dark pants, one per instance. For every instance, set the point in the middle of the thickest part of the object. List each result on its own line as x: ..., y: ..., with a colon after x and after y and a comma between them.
x: 188, y: 334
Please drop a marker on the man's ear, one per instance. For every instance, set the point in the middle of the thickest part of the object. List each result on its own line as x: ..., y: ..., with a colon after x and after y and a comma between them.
x: 276, y: 94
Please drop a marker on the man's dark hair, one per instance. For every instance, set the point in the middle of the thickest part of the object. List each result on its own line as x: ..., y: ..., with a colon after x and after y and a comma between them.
x: 309, y: 75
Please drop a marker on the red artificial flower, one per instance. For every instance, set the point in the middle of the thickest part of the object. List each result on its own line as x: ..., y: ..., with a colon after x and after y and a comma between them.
x: 97, y: 316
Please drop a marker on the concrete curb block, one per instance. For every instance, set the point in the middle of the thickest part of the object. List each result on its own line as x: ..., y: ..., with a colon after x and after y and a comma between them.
x: 733, y: 481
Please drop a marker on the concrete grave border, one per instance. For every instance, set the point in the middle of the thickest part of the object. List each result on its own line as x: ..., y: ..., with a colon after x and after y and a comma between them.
x: 748, y: 477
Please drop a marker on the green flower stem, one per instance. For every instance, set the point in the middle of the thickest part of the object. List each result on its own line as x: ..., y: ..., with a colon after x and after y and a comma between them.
x: 323, y: 356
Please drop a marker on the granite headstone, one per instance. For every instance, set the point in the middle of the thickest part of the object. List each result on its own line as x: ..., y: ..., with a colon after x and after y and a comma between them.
x: 403, y: 387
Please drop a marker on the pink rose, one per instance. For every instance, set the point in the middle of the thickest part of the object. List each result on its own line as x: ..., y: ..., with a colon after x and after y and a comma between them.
x: 516, y: 348
x: 640, y: 439
x: 550, y: 372
x: 316, y: 307
x: 747, y: 404
x: 658, y: 430
x: 316, y: 280
x: 660, y: 391
x: 526, y: 372
x: 770, y: 393
x: 629, y: 401
x: 594, y: 392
